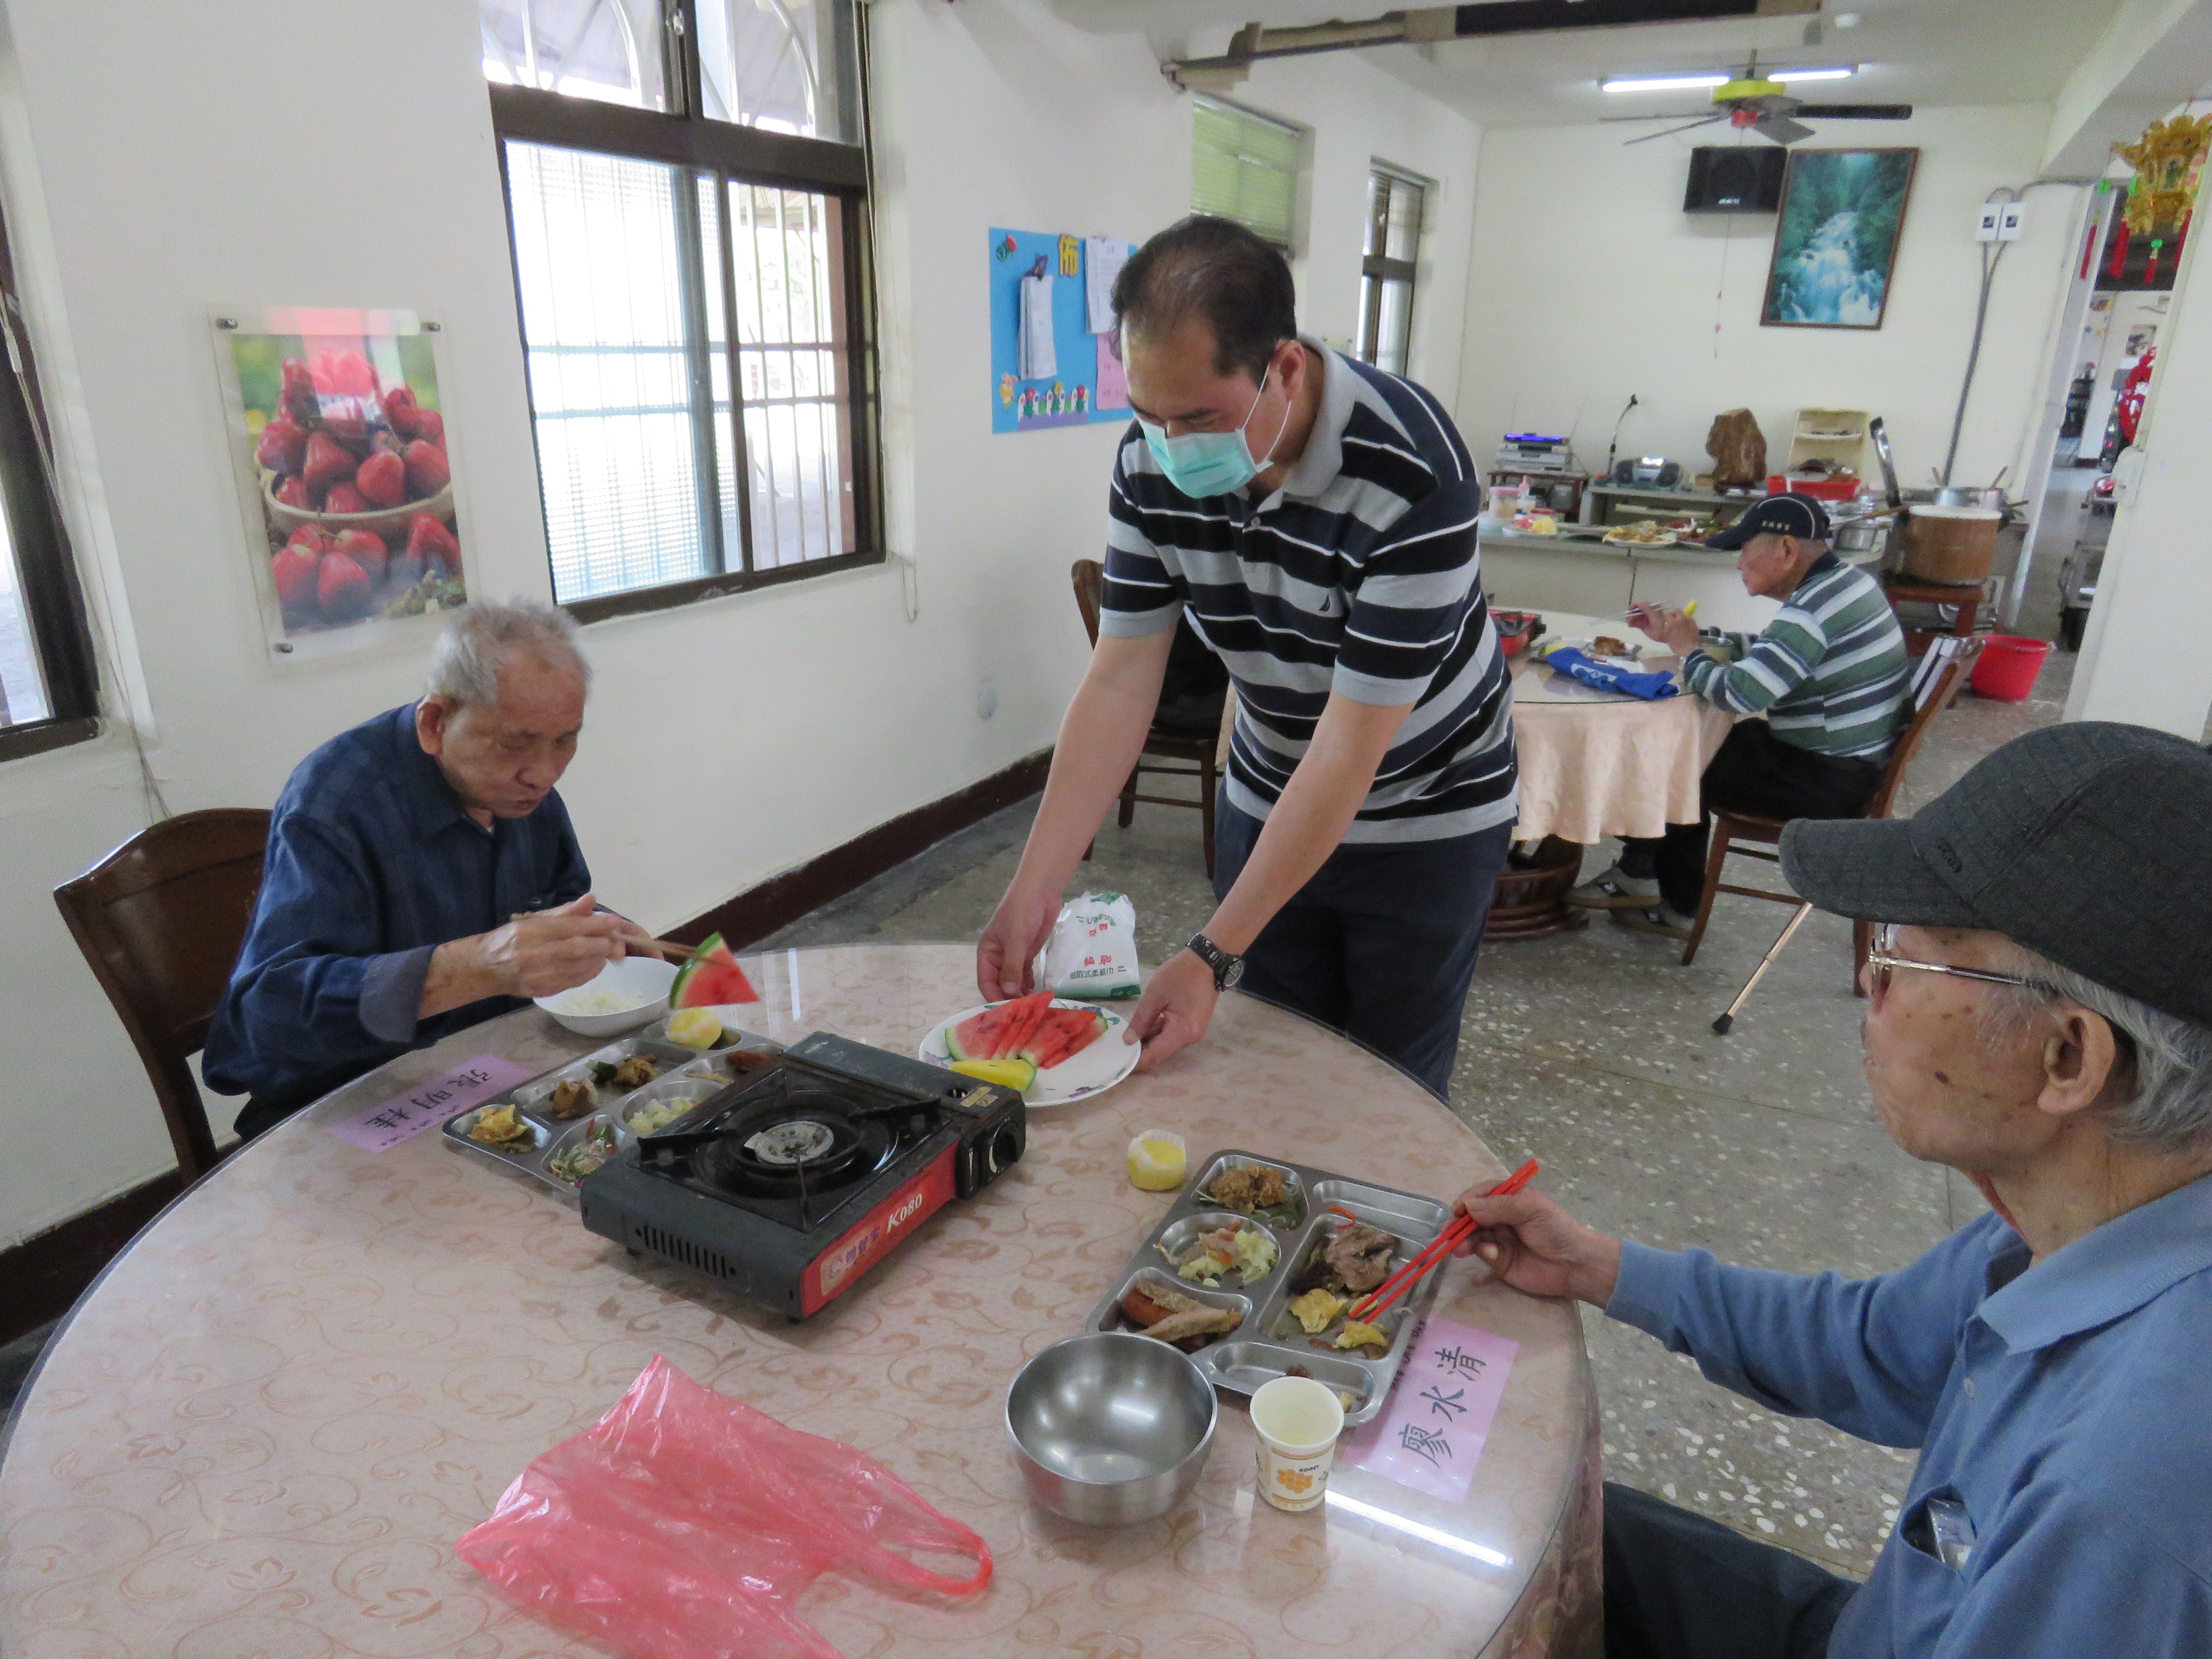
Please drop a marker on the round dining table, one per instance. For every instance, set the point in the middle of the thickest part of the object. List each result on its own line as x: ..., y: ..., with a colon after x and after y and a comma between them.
x: 1594, y: 763
x: 263, y: 1428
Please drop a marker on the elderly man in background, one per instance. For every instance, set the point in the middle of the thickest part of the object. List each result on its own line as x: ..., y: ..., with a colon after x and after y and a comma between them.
x: 421, y: 873
x: 2040, y: 1020
x: 1829, y: 673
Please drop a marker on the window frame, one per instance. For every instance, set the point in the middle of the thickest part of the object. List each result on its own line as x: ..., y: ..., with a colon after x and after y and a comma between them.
x: 732, y: 154
x: 53, y: 598
x: 1381, y: 269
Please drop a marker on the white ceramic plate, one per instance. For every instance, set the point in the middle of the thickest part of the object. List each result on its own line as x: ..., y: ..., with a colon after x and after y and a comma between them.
x: 1097, y: 1068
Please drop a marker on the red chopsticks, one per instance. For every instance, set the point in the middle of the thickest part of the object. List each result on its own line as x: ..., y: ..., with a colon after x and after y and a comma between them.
x: 1371, y: 1306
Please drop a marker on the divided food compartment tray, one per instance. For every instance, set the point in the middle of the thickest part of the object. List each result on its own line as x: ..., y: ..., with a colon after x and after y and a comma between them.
x: 1270, y: 1339
x: 549, y: 1136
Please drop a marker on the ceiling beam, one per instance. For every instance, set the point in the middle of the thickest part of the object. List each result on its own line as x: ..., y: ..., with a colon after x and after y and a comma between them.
x: 1485, y: 19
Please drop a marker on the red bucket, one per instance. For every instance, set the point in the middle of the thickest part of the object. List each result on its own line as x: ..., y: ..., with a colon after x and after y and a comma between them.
x: 2008, y: 666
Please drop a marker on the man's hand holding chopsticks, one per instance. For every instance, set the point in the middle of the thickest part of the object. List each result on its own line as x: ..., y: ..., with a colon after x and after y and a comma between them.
x: 1534, y: 1245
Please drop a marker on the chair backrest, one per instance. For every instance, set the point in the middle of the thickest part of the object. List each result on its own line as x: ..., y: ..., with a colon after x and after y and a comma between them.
x: 160, y: 920
x: 1089, y: 579
x: 1937, y: 678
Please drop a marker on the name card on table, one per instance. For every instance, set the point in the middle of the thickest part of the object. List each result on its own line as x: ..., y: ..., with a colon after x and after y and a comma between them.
x: 1430, y: 1435
x: 378, y: 1128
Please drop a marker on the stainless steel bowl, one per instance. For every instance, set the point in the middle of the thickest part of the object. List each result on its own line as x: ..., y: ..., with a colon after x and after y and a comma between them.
x: 1110, y: 1428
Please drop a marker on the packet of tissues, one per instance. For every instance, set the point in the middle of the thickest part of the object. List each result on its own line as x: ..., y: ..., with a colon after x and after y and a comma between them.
x: 1092, y: 950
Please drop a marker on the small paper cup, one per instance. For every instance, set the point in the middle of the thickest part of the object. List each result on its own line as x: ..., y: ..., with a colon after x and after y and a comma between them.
x: 1297, y: 1421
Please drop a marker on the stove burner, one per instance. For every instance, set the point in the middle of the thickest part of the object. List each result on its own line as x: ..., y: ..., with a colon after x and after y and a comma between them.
x: 800, y: 1142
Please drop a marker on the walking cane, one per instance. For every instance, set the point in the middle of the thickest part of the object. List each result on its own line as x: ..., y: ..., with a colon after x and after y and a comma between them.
x: 1721, y: 1025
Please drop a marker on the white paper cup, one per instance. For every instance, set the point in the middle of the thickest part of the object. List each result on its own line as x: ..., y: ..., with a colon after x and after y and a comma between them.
x: 1297, y: 1421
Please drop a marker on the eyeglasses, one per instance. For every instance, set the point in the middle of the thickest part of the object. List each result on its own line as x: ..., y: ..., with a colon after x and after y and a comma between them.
x: 1883, y: 958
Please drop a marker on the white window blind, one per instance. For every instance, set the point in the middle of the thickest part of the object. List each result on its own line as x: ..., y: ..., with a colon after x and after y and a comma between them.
x: 1245, y: 167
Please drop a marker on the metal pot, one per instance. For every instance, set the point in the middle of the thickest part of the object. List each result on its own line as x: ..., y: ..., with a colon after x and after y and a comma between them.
x: 1860, y: 535
x: 1952, y: 495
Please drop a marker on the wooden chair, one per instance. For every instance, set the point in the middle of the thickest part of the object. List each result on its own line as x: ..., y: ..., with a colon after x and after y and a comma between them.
x: 1198, y: 750
x: 1937, y: 678
x: 160, y: 920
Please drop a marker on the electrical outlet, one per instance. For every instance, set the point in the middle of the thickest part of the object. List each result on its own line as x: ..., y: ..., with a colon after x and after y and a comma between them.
x: 2013, y: 222
x: 1987, y: 227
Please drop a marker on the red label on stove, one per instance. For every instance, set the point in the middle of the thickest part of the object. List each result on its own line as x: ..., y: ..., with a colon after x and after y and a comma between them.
x: 866, y: 1241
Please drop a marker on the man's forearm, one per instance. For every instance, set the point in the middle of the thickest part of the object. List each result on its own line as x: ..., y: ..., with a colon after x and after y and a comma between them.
x: 458, y: 976
x: 1308, y: 822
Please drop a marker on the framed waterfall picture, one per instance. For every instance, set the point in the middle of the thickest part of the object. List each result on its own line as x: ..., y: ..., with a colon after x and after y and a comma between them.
x: 1835, y: 238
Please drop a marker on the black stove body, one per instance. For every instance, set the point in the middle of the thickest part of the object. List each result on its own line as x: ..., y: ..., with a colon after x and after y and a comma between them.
x: 797, y: 1178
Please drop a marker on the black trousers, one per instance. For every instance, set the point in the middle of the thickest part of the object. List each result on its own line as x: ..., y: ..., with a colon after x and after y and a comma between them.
x: 1678, y: 1586
x: 1380, y: 944
x: 1754, y: 771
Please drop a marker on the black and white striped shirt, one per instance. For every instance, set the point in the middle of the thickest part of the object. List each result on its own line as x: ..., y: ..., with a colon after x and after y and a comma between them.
x: 1358, y: 577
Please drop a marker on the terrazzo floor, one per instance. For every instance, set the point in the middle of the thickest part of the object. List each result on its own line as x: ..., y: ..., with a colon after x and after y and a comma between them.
x: 1592, y: 1051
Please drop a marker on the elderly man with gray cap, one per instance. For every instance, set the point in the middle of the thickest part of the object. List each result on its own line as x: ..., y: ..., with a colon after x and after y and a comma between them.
x: 2039, y: 1017
x: 1829, y: 677
x: 421, y: 873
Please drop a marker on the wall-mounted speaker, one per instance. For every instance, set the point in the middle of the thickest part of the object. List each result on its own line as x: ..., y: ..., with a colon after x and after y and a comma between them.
x: 1744, y: 179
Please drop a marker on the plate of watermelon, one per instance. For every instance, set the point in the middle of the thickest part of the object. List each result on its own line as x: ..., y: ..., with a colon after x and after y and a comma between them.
x: 1053, y: 1049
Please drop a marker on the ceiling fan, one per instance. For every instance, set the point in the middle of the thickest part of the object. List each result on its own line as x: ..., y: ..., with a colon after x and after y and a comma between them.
x: 1751, y: 104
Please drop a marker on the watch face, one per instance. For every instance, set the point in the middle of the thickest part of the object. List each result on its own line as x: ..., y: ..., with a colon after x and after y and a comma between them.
x: 1231, y: 973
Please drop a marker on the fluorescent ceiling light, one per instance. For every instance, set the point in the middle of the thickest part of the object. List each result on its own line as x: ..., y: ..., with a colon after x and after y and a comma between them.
x: 1788, y: 76
x: 1659, y: 82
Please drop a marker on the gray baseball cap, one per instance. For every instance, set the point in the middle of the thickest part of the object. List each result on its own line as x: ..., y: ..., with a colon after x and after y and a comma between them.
x: 2090, y: 843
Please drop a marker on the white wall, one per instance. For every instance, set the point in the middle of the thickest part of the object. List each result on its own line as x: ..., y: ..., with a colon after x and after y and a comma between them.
x: 1587, y: 283
x: 162, y: 160
x: 2143, y: 658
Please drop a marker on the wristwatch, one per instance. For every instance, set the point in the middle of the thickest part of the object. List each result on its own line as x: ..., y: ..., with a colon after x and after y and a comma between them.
x: 1227, y: 969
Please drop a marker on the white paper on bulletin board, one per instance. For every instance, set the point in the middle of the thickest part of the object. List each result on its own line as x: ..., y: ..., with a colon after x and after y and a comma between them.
x: 1081, y: 379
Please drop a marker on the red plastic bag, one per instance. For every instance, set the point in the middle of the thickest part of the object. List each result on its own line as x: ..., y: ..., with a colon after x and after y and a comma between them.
x: 683, y: 1525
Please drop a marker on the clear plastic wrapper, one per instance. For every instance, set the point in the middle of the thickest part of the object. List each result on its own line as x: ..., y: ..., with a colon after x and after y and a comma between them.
x: 684, y: 1525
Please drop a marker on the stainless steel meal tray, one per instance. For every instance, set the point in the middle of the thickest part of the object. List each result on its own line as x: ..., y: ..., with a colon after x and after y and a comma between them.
x: 550, y: 1136
x: 1270, y: 1341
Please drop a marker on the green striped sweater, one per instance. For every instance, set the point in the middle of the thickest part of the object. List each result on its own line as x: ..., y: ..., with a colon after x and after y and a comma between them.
x: 1829, y: 672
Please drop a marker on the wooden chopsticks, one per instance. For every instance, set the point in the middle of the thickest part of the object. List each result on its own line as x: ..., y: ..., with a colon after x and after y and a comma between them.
x: 1371, y: 1306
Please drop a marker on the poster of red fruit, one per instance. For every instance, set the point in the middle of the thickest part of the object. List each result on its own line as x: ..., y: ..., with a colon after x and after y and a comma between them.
x: 339, y: 430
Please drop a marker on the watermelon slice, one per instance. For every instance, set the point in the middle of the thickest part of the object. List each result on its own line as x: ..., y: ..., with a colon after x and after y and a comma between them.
x: 711, y: 978
x: 986, y: 1034
x: 1029, y: 1013
x: 1064, y: 1033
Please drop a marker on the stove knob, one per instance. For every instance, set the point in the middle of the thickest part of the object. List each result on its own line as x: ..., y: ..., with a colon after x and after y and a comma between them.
x: 1005, y: 1149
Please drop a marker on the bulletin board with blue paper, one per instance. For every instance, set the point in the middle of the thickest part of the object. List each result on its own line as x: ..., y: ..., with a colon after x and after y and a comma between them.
x: 1055, y: 360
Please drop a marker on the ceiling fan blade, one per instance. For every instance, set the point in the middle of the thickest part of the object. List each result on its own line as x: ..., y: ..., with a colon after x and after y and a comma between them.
x: 1677, y: 115
x: 1854, y: 112
x: 1670, y: 132
x: 1782, y: 129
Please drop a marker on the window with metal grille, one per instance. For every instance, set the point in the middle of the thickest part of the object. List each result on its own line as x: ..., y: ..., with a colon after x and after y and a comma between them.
x: 687, y: 194
x: 48, y: 684
x: 1245, y: 167
x: 1387, y: 268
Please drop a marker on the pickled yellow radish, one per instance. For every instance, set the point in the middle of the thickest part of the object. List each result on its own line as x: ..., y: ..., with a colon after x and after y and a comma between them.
x: 695, y: 1028
x: 1158, y: 1160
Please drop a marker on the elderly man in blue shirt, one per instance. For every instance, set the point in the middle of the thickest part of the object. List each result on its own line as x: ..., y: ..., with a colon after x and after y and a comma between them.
x: 2040, y: 1019
x: 421, y: 873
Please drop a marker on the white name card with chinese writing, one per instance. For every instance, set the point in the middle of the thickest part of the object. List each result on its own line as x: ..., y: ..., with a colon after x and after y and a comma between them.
x: 1429, y: 1437
x: 387, y: 1123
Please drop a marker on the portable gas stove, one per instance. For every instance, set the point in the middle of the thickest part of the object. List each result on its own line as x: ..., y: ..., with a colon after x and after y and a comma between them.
x: 806, y: 1172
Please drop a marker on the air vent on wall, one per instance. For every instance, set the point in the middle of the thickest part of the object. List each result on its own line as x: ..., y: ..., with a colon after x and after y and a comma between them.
x: 1736, y: 178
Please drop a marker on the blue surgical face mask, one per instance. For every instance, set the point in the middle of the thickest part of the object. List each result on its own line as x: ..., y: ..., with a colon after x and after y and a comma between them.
x: 1201, y: 464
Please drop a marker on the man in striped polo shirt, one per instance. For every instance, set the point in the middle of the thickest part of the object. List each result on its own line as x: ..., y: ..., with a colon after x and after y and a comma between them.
x: 1315, y: 519
x: 1829, y: 674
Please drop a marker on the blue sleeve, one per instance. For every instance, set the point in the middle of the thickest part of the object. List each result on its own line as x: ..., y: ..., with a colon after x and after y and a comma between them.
x: 2067, y: 1574
x: 1868, y: 1356
x: 310, y: 993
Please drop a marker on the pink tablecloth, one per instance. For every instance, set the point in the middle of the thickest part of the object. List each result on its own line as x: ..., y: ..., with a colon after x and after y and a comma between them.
x: 1590, y: 769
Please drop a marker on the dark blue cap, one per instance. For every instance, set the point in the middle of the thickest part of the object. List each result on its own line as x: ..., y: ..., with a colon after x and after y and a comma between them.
x: 1777, y: 515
